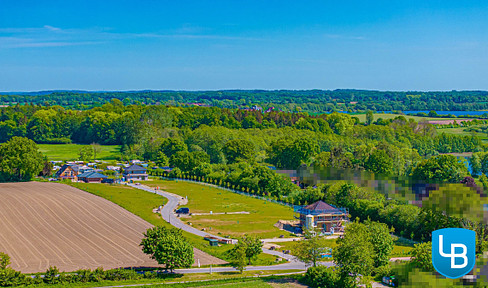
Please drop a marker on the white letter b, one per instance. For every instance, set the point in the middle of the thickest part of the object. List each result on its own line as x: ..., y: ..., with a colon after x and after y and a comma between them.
x: 453, y: 254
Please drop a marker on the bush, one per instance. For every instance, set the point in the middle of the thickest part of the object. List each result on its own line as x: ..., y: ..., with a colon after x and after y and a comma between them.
x: 10, y: 277
x: 382, y: 271
x: 51, y: 275
x: 322, y: 277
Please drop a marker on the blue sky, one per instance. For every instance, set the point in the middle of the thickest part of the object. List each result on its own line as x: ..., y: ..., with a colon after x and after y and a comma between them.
x: 208, y: 45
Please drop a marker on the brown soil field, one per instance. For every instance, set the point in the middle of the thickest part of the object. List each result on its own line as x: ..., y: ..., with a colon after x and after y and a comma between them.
x: 50, y: 224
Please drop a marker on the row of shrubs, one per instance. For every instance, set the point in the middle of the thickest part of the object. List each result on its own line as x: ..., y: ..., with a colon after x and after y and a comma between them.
x: 9, y: 277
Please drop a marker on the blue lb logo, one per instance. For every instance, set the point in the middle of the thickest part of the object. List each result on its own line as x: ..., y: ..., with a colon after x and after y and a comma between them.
x: 453, y: 251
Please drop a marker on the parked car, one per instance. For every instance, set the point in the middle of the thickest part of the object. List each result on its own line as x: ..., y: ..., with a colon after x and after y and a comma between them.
x: 109, y: 181
x: 183, y: 210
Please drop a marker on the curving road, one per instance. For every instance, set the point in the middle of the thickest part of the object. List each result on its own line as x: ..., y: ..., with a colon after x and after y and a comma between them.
x: 170, y: 217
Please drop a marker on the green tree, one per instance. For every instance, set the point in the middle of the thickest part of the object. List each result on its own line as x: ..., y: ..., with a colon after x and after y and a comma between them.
x: 85, y: 153
x: 20, y: 160
x: 238, y: 149
x: 290, y: 153
x: 340, y: 123
x: 310, y: 249
x: 161, y: 159
x: 440, y: 169
x: 252, y: 247
x: 324, y: 277
x: 379, y: 236
x: 475, y: 162
x: 355, y: 252
x: 369, y: 117
x: 96, y: 150
x: 422, y: 256
x: 168, y: 247
x: 182, y: 160
x: 238, y: 255
x: 171, y: 146
x: 4, y: 260
x: 379, y: 162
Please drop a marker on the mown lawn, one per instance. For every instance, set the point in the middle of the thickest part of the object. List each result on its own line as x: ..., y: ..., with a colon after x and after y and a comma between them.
x: 128, y: 198
x: 65, y: 152
x: 203, y: 199
x: 142, y: 203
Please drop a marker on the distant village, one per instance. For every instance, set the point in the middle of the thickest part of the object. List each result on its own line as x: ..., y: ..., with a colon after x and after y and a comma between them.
x: 80, y: 171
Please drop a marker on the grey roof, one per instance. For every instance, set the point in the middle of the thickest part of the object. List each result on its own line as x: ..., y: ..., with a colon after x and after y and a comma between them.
x: 75, y: 168
x: 91, y: 174
x: 135, y: 167
x: 319, y: 206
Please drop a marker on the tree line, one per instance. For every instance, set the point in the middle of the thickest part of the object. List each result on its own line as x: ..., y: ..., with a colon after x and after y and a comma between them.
x: 317, y: 101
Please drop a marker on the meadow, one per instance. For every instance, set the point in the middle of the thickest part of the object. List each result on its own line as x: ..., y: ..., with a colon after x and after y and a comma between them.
x: 386, y: 116
x: 203, y: 199
x: 66, y: 152
x: 142, y: 203
x: 460, y: 131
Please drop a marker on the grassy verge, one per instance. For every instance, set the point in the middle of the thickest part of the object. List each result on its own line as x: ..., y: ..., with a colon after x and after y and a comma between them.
x: 67, y: 152
x: 203, y: 199
x: 399, y: 249
x: 216, y: 279
x: 142, y: 203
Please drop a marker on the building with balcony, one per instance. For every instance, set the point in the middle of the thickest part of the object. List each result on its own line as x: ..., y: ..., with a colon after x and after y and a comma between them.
x: 135, y: 172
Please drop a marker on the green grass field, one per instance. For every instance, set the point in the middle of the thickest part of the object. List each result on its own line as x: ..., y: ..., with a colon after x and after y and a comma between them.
x: 203, y: 199
x: 67, y: 152
x: 460, y: 131
x: 128, y: 198
x: 376, y: 116
x: 142, y: 203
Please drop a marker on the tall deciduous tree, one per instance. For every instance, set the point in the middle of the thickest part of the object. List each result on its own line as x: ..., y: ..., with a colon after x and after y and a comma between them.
x: 440, y: 169
x: 369, y: 117
x: 355, y: 252
x: 422, y: 256
x: 168, y: 247
x: 239, y: 259
x: 379, y: 162
x: 86, y: 153
x: 310, y: 249
x: 238, y: 149
x: 379, y: 236
x: 290, y: 153
x: 252, y: 247
x: 171, y: 146
x: 20, y: 160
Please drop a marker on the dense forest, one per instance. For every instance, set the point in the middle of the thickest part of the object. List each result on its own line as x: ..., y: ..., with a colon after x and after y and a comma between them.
x: 141, y: 129
x: 311, y: 101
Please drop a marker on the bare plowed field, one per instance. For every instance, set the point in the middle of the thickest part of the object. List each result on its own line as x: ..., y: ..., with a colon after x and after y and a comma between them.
x: 49, y: 224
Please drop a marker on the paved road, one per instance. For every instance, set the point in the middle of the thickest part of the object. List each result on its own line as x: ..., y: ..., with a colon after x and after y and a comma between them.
x: 170, y: 217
